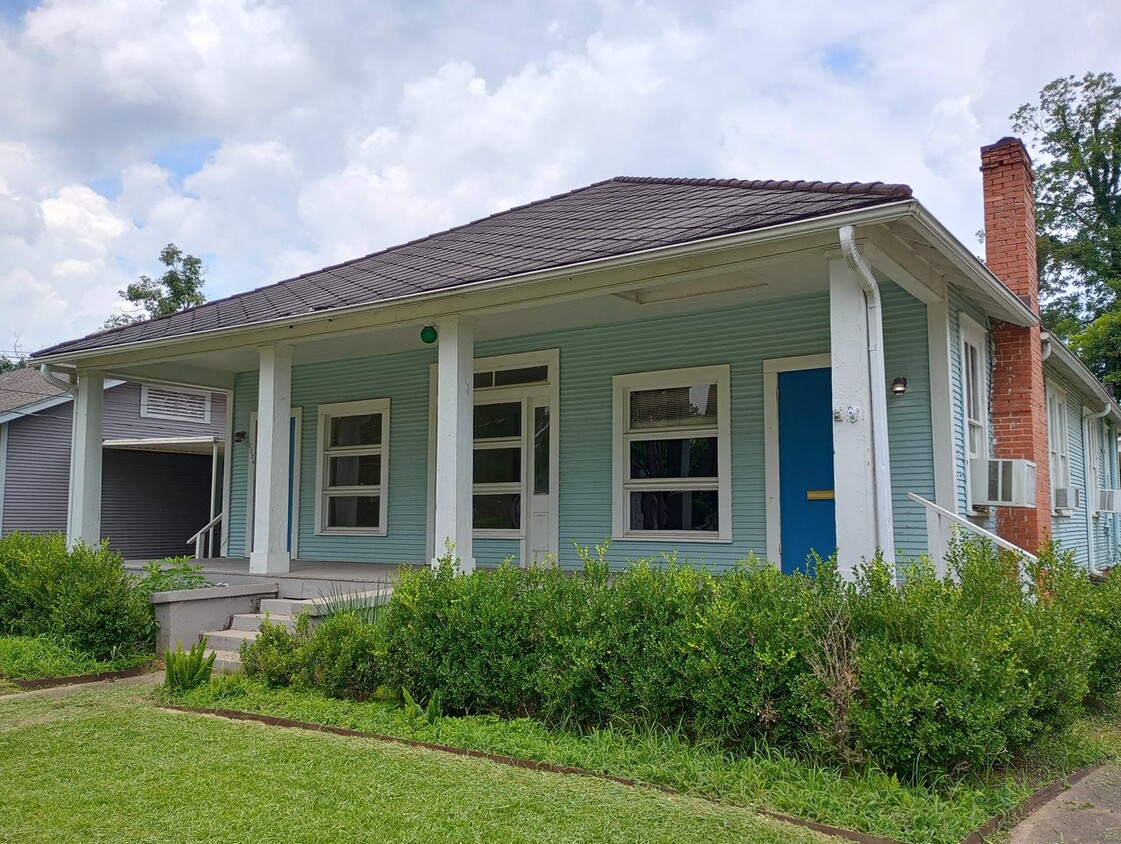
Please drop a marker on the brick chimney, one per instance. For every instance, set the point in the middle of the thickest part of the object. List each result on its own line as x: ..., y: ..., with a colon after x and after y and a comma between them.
x: 1019, y: 410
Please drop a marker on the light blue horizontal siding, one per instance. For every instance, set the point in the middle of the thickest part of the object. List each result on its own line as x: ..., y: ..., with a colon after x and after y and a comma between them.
x: 244, y: 403
x: 742, y: 337
x: 1070, y: 530
x: 912, y: 448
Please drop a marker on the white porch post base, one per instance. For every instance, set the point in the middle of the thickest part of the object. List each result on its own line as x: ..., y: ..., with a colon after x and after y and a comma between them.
x: 270, y: 506
x: 83, y: 524
x: 455, y: 408
x: 853, y: 475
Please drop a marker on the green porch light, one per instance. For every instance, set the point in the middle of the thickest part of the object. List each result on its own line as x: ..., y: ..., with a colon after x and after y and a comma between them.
x: 428, y: 334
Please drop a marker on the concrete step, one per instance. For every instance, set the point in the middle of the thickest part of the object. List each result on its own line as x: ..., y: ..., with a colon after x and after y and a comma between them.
x: 226, y: 662
x: 252, y: 621
x: 291, y: 608
x: 229, y: 640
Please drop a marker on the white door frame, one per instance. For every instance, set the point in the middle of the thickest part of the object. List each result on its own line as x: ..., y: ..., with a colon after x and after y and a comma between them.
x: 294, y: 527
x: 528, y: 394
x: 771, y: 369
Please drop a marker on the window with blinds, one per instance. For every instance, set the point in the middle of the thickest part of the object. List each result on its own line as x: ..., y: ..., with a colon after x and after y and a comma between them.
x: 177, y: 403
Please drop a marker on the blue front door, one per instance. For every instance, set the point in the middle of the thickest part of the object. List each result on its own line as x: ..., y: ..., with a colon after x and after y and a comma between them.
x: 805, y: 435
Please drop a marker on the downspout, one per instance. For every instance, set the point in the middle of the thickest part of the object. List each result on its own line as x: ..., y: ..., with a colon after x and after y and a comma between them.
x: 885, y: 529
x: 55, y: 381
x: 1091, y: 506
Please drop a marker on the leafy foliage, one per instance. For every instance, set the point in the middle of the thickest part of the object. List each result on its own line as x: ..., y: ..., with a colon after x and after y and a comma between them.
x: 83, y: 597
x: 186, y: 671
x: 1076, y: 126
x: 172, y: 574
x: 179, y: 287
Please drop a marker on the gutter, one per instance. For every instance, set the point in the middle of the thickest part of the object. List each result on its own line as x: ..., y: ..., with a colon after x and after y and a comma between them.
x: 885, y: 528
x: 70, y: 387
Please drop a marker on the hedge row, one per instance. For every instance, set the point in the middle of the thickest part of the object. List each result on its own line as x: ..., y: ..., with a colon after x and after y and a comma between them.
x: 937, y: 675
x: 83, y: 598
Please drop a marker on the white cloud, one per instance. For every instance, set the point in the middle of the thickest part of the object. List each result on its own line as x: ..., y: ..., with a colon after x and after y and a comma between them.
x: 326, y: 131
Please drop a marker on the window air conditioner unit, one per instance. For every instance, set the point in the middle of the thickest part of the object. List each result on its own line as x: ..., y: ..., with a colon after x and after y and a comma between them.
x: 1109, y: 501
x: 1002, y: 483
x: 1068, y: 498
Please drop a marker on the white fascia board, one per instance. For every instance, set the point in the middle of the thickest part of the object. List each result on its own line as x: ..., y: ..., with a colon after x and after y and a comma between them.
x: 46, y: 404
x: 1069, y: 364
x: 1004, y: 304
x: 228, y: 337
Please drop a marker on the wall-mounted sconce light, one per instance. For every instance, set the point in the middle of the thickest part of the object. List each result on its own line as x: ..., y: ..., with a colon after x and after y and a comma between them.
x: 428, y: 334
x: 899, y: 386
x: 240, y: 436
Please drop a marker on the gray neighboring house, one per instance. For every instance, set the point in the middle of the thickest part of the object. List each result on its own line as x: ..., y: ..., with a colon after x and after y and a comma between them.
x: 162, y: 462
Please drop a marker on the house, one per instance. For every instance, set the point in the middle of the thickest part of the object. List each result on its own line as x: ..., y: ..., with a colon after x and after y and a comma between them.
x: 161, y: 461
x: 712, y: 367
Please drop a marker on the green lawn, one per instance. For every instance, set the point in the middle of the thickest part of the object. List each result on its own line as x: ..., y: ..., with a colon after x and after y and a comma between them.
x: 107, y: 765
x: 37, y: 657
x: 864, y: 800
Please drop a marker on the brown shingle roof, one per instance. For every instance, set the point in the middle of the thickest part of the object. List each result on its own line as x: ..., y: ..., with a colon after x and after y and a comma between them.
x: 604, y: 220
x: 22, y: 387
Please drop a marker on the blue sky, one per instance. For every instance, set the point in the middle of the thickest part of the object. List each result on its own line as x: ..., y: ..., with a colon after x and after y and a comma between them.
x: 276, y: 138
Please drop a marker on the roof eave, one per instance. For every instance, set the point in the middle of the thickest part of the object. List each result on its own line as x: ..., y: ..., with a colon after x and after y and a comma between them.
x: 1075, y: 368
x: 881, y: 213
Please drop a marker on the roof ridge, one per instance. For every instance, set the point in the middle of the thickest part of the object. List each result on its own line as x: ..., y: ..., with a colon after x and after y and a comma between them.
x: 899, y: 191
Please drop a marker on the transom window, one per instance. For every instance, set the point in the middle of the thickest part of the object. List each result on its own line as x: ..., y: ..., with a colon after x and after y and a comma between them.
x: 672, y: 454
x: 353, y: 466
x: 1058, y: 439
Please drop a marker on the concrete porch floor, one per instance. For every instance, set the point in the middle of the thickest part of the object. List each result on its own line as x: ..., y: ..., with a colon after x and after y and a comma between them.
x: 306, y: 579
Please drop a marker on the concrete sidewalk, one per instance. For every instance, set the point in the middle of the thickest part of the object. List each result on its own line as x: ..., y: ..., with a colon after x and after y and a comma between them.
x: 1087, y: 813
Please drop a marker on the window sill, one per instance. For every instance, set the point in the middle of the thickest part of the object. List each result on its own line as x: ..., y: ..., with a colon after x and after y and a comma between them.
x: 674, y: 536
x: 350, y: 532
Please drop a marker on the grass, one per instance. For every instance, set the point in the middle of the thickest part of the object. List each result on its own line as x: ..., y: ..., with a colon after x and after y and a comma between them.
x: 106, y: 765
x: 864, y: 800
x: 37, y: 657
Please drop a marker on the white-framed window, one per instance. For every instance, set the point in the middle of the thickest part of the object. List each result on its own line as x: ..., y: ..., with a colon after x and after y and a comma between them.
x: 975, y: 392
x: 1058, y: 439
x: 672, y: 475
x: 1095, y: 464
x: 178, y: 403
x: 352, y: 468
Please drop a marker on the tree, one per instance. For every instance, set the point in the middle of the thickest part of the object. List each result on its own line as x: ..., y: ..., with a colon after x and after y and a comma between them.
x: 178, y: 288
x: 1075, y: 130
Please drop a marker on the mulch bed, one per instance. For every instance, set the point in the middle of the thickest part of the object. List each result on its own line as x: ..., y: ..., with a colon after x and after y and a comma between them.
x: 78, y: 679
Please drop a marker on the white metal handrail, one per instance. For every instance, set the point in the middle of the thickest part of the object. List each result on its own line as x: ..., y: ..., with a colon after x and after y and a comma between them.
x: 205, y: 538
x: 954, y: 518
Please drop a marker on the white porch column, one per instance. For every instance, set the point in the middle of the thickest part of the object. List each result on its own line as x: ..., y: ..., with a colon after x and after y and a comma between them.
x: 83, y: 523
x: 853, y: 475
x: 455, y: 406
x: 270, y: 506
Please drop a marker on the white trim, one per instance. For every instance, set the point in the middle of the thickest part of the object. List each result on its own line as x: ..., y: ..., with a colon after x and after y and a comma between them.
x: 771, y: 369
x: 621, y: 387
x: 528, y: 392
x: 3, y: 469
x: 297, y: 413
x: 972, y: 333
x: 352, y: 408
x: 227, y: 474
x: 1058, y: 439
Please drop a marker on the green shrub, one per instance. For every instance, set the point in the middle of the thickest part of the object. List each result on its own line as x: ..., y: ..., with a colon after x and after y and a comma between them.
x: 186, y: 671
x: 343, y: 657
x: 36, y: 657
x: 273, y: 656
x: 83, y: 596
x: 1103, y: 618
